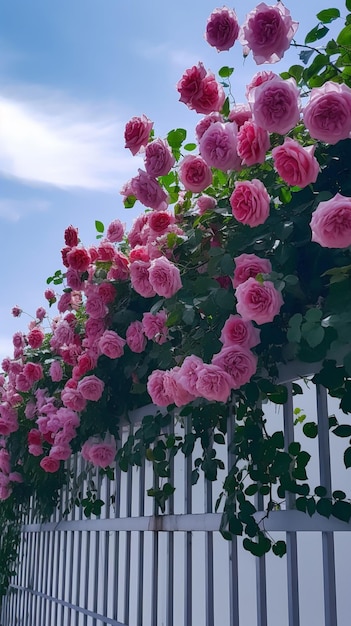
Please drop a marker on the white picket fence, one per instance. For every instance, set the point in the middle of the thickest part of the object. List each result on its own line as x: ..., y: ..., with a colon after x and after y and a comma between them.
x: 132, y: 566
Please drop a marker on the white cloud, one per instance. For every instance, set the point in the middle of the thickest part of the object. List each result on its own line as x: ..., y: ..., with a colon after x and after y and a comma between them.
x: 46, y: 138
x: 12, y: 210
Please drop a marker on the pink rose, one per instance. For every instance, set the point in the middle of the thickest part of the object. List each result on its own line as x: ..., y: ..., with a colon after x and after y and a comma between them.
x: 56, y: 372
x: 222, y: 29
x: 60, y: 452
x: 237, y: 331
x: 33, y: 371
x: 78, y: 259
x: 276, y: 105
x: 16, y: 311
x: 100, y: 452
x: 200, y: 91
x: 195, y: 174
x: 91, y: 387
x: 159, y: 221
x: 115, y: 231
x: 149, y: 192
x: 205, y: 203
x: 267, y: 31
x: 158, y: 158
x: 239, y: 362
x: 240, y: 114
x: 327, y: 116
x: 249, y: 265
x: 260, y: 77
x: 253, y: 143
x: 206, y: 122
x: 154, y: 326
x: 96, y: 307
x: 156, y: 389
x: 111, y: 344
x: 250, y: 202
x: 218, y: 146
x: 259, y: 302
x: 35, y: 337
x: 137, y: 133
x: 139, y: 278
x: 73, y: 399
x: 48, y: 464
x: 135, y: 338
x: 164, y: 277
x: 40, y: 313
x: 188, y: 372
x: 71, y: 236
x: 107, y: 292
x: 50, y: 295
x: 174, y: 388
x: 213, y: 383
x: 296, y: 164
x: 331, y: 223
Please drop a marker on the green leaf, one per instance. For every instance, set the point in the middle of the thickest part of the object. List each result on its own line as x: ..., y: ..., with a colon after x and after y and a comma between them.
x: 226, y: 108
x: 344, y: 37
x: 347, y: 457
x: 296, y: 71
x: 310, y: 429
x: 347, y: 363
x: 324, y: 507
x: 339, y: 495
x: 225, y: 71
x: 251, y: 489
x: 318, y: 32
x: 344, y: 430
x: 328, y: 15
x: 279, y: 548
x: 314, y: 336
x: 219, y: 438
x: 176, y: 137
x: 305, y: 56
x: 99, y: 226
x: 190, y: 146
x: 348, y: 5
x: 320, y: 491
x: 342, y: 510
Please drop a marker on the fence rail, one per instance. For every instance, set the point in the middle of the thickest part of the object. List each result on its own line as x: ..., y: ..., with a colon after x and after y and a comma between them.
x: 131, y: 566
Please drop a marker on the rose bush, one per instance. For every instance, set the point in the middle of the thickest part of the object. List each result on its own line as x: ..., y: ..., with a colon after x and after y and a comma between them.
x: 240, y: 263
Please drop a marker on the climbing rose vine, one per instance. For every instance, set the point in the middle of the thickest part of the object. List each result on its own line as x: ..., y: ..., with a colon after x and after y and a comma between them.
x: 239, y: 263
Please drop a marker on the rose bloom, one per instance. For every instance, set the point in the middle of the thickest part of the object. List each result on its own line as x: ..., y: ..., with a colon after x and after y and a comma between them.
x: 260, y: 77
x: 91, y: 388
x: 40, y: 313
x: 74, y: 279
x: 253, y: 143
x: 250, y: 202
x: 16, y: 311
x: 159, y: 221
x: 49, y: 295
x: 135, y: 338
x: 222, y: 29
x: 71, y: 236
x: 240, y: 114
x: 164, y: 277
x: 174, y: 389
x: 331, y: 223
x: 102, y: 452
x: 327, y: 116
x: 33, y: 371
x: 78, y: 259
x: 195, y: 174
x: 35, y: 337
x: 187, y: 374
x: 156, y: 389
x: 111, y: 344
x: 107, y: 292
x: 73, y: 399
x: 218, y: 146
x: 205, y: 203
x: 206, y: 122
x: 56, y: 372
x: 276, y: 105
x: 48, y: 464
x: 296, y: 164
x: 239, y: 362
x: 237, y: 331
x: 200, y: 91
x: 96, y: 307
x: 267, y: 31
x: 154, y: 326
x: 135, y: 235
x: 139, y: 278
x: 137, y: 133
x: 249, y: 265
x: 158, y: 158
x: 149, y: 192
x: 115, y: 231
x: 259, y: 302
x: 213, y: 383
x: 60, y: 452
x: 18, y: 340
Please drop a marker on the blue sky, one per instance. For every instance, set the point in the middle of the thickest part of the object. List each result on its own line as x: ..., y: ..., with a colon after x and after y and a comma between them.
x: 71, y: 75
